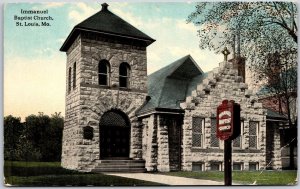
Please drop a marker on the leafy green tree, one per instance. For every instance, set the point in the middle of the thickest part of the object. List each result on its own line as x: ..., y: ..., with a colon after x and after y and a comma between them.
x: 38, y: 139
x: 26, y: 151
x: 52, y: 138
x: 45, y: 133
x: 35, y: 127
x: 263, y: 27
x: 13, y: 129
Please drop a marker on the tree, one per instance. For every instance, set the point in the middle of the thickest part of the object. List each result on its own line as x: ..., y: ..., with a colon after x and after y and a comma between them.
x: 52, y: 143
x: 38, y: 139
x: 26, y: 150
x: 264, y: 27
x: 268, y: 39
x: 45, y: 133
x: 13, y: 129
x: 281, y: 73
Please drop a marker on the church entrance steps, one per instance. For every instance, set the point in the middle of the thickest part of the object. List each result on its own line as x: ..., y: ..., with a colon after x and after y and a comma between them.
x: 129, y: 166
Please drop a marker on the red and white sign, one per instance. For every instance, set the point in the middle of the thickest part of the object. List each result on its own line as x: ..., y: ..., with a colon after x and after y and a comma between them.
x: 225, y: 120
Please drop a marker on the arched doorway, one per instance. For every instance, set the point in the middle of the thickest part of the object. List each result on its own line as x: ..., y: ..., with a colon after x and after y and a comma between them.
x: 114, y: 135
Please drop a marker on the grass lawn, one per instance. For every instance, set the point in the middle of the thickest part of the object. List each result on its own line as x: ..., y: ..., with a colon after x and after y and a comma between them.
x: 52, y: 174
x: 244, y: 177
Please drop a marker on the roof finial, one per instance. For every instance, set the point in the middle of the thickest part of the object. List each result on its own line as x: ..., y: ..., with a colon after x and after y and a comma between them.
x: 104, y: 6
x: 226, y: 53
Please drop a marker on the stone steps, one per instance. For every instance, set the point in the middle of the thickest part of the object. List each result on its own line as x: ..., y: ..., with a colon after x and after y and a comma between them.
x: 130, y: 166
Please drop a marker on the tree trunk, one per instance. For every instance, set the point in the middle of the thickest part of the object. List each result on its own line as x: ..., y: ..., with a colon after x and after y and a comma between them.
x: 292, y: 156
x: 292, y: 135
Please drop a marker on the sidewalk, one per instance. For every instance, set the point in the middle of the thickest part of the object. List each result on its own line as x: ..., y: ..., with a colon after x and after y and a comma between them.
x: 165, y: 179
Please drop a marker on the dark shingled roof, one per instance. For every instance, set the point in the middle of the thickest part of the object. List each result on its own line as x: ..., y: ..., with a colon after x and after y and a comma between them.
x: 169, y: 86
x: 106, y: 22
x: 274, y: 115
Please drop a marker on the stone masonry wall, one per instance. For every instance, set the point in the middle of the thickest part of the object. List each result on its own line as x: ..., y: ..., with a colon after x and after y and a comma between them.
x: 151, y: 156
x: 273, y: 152
x: 163, y: 160
x: 71, y: 130
x: 277, y: 163
x: 160, y: 142
x: 136, y: 139
x: 92, y: 100
x: 222, y: 83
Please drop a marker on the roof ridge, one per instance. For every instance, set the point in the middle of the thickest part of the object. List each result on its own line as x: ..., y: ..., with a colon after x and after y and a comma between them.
x: 105, y: 11
x: 169, y: 66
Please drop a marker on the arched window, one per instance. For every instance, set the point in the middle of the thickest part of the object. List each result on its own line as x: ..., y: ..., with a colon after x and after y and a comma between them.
x: 69, y: 79
x: 103, y: 72
x: 124, y: 72
x: 74, y: 75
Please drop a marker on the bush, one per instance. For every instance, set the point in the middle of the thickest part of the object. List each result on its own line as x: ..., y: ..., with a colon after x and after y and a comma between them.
x: 13, y: 128
x: 26, y: 151
x: 38, y: 139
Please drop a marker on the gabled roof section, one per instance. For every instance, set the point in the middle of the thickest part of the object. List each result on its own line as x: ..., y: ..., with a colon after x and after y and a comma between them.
x: 186, y: 68
x: 170, y: 85
x: 275, y: 115
x: 106, y: 22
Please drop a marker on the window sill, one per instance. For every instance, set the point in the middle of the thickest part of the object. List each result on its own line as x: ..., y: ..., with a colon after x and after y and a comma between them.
x: 214, y: 147
x: 207, y: 150
x: 245, y: 150
x: 124, y: 89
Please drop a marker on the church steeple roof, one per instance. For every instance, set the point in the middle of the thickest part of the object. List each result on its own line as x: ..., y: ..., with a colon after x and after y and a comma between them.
x: 107, y: 23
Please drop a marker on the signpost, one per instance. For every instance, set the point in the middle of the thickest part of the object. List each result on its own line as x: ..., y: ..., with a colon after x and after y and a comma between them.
x: 228, y: 128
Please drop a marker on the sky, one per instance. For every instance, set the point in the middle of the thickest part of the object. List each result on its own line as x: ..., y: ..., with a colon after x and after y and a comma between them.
x: 34, y: 68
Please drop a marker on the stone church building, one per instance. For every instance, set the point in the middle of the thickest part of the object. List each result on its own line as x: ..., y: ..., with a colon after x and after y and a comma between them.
x: 119, y: 119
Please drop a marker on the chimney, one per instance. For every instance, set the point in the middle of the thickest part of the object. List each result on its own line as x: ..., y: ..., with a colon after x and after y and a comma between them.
x: 238, y: 61
x: 233, y: 47
x: 104, y: 7
x: 238, y: 40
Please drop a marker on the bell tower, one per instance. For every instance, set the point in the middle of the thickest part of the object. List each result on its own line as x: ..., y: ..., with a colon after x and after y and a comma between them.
x: 106, y: 79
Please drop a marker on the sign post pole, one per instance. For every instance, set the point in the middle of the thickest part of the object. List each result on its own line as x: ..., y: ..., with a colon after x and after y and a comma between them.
x: 228, y: 128
x: 227, y: 163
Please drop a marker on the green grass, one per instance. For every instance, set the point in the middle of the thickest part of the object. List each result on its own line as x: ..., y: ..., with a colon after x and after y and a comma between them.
x: 244, y: 177
x: 31, y: 164
x: 52, y: 174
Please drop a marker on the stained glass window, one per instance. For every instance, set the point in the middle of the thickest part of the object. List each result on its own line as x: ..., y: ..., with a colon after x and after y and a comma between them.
x: 237, y: 143
x: 253, y: 130
x: 197, y: 128
x: 214, y: 141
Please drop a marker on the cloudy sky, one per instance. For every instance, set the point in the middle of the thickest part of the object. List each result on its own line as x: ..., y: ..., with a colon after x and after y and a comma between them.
x: 34, y: 68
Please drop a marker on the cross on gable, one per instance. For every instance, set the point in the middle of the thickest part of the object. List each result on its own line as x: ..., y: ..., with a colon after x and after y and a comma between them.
x: 225, y: 52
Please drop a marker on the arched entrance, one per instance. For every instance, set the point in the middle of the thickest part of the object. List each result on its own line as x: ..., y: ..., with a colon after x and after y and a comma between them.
x: 114, y: 135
